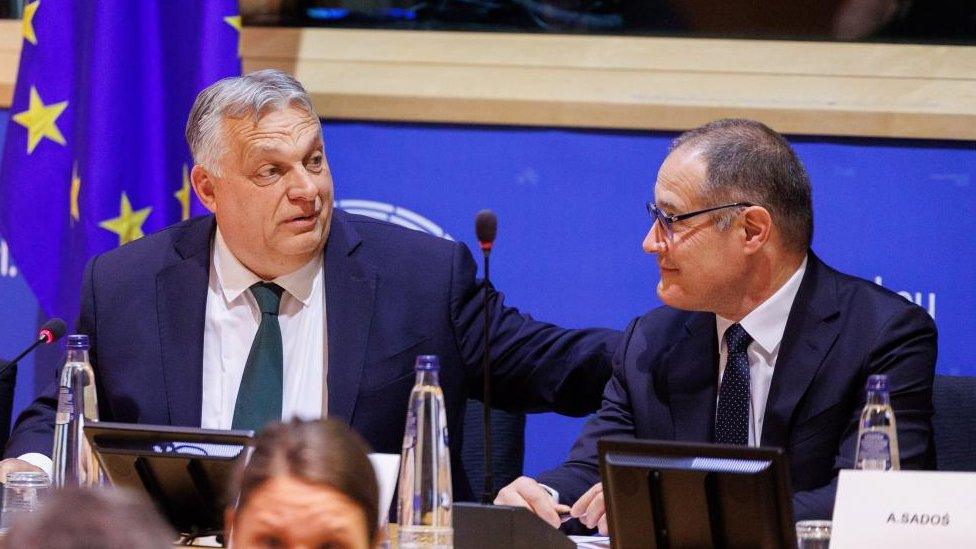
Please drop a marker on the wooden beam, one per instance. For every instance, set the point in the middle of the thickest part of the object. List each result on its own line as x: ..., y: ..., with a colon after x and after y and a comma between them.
x: 10, y: 39
x: 628, y: 83
x: 814, y: 88
x: 610, y: 52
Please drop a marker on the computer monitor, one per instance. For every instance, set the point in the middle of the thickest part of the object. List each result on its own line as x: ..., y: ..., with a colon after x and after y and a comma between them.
x: 185, y: 471
x: 665, y: 494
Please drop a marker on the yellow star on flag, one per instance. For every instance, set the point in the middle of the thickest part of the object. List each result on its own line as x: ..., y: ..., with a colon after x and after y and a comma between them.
x: 183, y: 195
x: 128, y: 225
x: 28, y: 22
x: 75, y: 189
x: 235, y: 21
x: 40, y: 120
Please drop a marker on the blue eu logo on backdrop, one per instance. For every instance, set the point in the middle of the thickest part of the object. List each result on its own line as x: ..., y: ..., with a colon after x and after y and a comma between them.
x: 394, y: 214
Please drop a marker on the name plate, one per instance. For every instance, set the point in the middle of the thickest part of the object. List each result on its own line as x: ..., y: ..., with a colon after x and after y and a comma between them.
x: 904, y: 509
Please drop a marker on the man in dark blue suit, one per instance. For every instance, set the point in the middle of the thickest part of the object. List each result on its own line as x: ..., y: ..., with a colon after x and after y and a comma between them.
x: 277, y: 306
x: 759, y: 342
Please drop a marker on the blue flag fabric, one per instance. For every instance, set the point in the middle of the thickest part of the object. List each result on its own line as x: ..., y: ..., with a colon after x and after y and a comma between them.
x: 95, y: 155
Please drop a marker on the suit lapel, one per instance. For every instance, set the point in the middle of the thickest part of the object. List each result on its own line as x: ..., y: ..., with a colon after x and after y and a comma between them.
x: 692, y: 373
x: 811, y: 330
x: 181, y: 301
x: 350, y: 288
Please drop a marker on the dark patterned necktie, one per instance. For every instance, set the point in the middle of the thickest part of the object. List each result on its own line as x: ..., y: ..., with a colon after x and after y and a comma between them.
x: 732, y: 419
x: 259, y: 398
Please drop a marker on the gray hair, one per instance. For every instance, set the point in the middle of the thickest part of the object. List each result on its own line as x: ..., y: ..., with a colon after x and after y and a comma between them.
x: 254, y: 94
x: 746, y: 161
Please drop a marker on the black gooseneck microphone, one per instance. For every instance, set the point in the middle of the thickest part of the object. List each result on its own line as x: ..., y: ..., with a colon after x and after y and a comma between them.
x: 51, y: 331
x: 485, y: 228
x: 472, y: 520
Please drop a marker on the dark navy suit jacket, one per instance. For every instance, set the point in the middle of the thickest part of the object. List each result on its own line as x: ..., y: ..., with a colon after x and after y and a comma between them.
x: 391, y: 294
x: 840, y: 330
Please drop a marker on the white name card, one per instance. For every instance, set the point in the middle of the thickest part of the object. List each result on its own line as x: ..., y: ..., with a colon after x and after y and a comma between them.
x: 904, y: 509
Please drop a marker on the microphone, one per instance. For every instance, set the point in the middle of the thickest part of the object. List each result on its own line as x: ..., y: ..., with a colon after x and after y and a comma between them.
x: 51, y: 331
x: 486, y: 228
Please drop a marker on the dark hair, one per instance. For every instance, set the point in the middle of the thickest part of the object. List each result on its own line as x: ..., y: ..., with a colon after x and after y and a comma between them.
x: 746, y: 161
x: 75, y: 518
x: 323, y: 452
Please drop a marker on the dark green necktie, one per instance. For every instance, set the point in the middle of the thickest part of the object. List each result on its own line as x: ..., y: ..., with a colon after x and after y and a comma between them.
x: 259, y: 398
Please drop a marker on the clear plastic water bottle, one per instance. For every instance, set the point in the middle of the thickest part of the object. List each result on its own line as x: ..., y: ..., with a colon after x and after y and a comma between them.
x: 74, y: 463
x: 424, y: 504
x: 877, y: 436
x: 23, y: 493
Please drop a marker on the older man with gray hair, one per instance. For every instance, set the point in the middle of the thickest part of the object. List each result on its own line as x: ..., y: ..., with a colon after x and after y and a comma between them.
x: 759, y: 342
x: 277, y: 306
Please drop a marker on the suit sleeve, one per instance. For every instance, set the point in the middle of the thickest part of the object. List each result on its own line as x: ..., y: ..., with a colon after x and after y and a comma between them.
x: 905, y: 351
x: 615, y: 418
x: 34, y: 430
x: 535, y: 366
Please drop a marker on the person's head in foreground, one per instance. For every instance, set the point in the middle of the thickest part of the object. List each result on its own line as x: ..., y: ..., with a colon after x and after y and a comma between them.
x: 260, y: 167
x: 733, y: 218
x: 307, y: 485
x: 74, y: 518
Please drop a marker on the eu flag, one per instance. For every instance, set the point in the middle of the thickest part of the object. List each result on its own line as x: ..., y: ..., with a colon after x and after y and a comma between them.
x: 94, y: 155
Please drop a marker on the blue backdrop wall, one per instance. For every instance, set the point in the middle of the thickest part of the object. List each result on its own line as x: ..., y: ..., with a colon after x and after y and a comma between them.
x: 571, y: 220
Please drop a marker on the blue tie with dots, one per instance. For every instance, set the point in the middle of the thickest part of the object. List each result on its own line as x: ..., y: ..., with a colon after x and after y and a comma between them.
x: 732, y: 419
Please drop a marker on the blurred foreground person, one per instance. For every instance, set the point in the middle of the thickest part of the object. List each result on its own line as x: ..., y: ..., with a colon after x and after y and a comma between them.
x: 307, y: 484
x: 75, y: 518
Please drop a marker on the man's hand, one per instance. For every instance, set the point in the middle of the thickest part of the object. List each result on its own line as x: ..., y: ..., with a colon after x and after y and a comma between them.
x: 591, y: 510
x: 526, y: 492
x: 14, y: 465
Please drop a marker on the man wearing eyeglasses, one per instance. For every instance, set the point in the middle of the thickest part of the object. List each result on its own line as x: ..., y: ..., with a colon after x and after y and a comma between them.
x: 759, y: 342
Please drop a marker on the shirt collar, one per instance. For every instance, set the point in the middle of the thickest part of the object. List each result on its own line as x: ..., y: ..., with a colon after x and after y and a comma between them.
x: 235, y: 278
x: 767, y: 322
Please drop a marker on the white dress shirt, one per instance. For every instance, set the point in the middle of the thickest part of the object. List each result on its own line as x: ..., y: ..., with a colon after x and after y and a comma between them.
x: 232, y: 321
x: 765, y: 324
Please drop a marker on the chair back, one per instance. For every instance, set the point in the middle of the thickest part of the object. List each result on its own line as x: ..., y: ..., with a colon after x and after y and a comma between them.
x: 954, y: 423
x: 507, y: 447
x: 8, y: 381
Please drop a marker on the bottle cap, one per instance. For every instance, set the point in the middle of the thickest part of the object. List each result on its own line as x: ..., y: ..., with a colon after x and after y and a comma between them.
x: 878, y: 382
x: 78, y: 341
x: 427, y: 363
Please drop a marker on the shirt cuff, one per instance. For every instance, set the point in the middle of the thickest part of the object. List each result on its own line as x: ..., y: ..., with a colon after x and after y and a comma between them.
x: 38, y: 460
x: 553, y: 493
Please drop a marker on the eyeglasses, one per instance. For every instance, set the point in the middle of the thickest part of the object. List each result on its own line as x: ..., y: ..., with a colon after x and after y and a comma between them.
x: 667, y: 221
